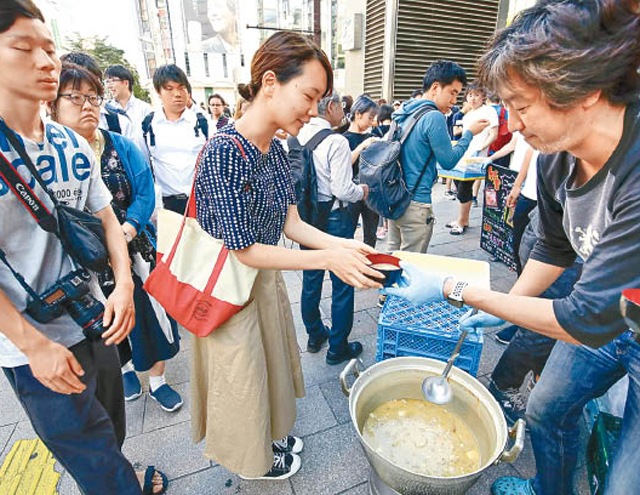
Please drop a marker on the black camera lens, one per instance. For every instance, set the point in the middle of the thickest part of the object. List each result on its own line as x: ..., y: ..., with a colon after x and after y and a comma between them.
x: 87, y: 312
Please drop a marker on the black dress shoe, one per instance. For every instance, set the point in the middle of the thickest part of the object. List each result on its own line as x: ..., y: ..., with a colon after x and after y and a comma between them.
x: 353, y: 350
x: 314, y: 345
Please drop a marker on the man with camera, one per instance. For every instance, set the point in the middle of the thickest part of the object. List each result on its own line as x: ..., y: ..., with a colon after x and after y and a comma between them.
x: 56, y: 336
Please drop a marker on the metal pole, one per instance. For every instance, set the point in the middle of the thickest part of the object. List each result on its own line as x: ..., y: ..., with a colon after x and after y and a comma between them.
x: 317, y: 31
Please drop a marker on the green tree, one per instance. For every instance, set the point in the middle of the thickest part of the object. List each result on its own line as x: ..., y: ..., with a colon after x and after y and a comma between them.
x: 106, y: 55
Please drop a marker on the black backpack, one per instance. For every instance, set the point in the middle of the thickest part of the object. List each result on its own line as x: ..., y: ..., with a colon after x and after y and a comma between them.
x: 303, y: 172
x: 381, y: 170
x: 201, y: 125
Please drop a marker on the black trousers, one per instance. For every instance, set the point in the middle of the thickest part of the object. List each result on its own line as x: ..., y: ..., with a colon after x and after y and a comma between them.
x: 369, y: 221
x: 177, y: 203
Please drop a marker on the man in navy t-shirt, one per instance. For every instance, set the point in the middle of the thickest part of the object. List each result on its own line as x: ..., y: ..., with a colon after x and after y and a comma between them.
x: 567, y: 72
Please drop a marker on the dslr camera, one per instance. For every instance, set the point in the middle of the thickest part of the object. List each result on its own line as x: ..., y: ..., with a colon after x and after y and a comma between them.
x: 70, y: 294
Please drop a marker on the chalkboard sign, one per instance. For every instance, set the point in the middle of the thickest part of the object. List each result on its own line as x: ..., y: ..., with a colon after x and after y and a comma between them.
x: 496, y: 236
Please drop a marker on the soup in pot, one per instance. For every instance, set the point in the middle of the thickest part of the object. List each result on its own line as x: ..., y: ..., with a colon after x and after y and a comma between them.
x: 422, y: 437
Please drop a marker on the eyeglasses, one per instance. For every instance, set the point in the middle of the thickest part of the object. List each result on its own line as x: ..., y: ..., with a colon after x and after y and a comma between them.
x: 113, y: 79
x: 78, y: 99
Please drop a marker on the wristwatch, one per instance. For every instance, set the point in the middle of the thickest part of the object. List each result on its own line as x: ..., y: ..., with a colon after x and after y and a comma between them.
x: 455, y: 296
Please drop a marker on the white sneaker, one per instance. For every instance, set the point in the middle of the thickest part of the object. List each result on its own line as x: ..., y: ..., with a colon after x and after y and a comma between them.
x: 288, y: 445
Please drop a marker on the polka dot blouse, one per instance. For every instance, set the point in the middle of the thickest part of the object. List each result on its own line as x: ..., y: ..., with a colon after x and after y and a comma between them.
x: 243, y: 201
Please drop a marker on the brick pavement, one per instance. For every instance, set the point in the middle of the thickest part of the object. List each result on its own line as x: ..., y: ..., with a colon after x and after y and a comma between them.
x: 333, y: 460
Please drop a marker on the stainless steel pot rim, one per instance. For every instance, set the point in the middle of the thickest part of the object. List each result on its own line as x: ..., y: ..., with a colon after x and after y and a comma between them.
x: 458, y: 377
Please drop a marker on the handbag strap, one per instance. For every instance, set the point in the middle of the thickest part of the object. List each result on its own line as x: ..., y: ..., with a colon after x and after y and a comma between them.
x: 190, y: 211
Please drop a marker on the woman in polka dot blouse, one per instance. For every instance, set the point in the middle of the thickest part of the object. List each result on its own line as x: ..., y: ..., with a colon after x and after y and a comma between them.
x: 246, y: 375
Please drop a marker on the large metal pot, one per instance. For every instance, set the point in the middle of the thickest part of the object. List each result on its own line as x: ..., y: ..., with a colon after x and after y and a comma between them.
x: 401, y: 378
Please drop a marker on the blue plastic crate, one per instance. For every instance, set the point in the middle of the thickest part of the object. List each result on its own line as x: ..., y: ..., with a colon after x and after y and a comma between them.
x: 430, y: 330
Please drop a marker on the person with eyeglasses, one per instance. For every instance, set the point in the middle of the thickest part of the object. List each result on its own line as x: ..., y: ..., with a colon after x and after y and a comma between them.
x: 127, y: 175
x: 119, y: 82
x: 216, y: 110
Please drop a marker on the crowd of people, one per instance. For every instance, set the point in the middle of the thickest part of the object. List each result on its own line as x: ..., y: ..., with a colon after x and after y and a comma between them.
x: 557, y: 100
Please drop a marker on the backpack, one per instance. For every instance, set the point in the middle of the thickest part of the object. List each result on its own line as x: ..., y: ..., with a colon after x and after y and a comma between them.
x: 303, y: 172
x: 381, y: 170
x: 201, y: 125
x: 504, y: 136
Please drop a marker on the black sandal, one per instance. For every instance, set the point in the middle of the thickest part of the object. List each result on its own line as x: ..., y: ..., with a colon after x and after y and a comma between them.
x: 147, y: 489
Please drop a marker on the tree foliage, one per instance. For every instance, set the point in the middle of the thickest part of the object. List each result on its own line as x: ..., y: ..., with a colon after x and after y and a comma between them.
x: 106, y: 55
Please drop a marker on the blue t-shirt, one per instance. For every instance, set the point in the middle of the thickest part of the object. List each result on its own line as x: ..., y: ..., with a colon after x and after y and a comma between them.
x: 243, y: 201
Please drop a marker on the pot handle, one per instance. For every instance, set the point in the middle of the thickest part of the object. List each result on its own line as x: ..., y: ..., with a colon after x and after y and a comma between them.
x: 517, y: 431
x: 352, y: 366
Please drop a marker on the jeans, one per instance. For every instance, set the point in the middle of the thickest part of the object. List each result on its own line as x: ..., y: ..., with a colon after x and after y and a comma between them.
x: 412, y: 231
x: 369, y: 221
x: 573, y: 376
x: 529, y: 350
x: 342, y: 295
x: 83, y: 431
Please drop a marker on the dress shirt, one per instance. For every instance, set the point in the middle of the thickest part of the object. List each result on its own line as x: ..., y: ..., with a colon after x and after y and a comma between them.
x: 136, y: 110
x: 332, y: 159
x: 174, y: 156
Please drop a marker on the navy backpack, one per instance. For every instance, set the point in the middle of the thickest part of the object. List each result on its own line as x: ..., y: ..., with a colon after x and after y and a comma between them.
x: 381, y: 170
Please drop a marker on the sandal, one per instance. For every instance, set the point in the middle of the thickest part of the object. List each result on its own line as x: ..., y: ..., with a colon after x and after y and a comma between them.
x: 451, y: 225
x: 458, y: 230
x: 147, y: 489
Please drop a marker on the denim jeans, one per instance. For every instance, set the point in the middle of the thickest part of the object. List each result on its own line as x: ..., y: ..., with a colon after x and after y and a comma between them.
x: 573, y: 376
x: 529, y: 350
x: 83, y: 431
x: 342, y: 295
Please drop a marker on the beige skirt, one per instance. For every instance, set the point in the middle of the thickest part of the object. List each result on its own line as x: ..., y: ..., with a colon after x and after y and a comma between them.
x: 245, y: 377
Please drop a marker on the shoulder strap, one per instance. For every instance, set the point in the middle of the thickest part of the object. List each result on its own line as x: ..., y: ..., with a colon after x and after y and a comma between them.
x: 315, y: 141
x: 413, y: 120
x: 148, y: 130
x: 21, y: 189
x: 113, y: 122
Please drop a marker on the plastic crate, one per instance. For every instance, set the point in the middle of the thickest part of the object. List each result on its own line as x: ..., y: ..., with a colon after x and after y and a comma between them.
x: 430, y: 330
x: 600, y: 448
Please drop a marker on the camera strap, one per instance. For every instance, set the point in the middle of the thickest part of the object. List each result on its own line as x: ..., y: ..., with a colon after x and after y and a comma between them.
x: 43, y: 216
x: 18, y: 277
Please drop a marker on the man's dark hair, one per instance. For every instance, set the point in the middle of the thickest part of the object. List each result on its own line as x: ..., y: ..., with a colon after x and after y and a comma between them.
x: 568, y: 50
x: 10, y: 10
x: 443, y: 72
x: 493, y: 97
x: 83, y: 60
x: 416, y: 93
x: 120, y: 72
x: 170, y: 73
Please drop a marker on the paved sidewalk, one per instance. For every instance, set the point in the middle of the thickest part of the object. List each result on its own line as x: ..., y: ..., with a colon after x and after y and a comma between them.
x: 333, y: 460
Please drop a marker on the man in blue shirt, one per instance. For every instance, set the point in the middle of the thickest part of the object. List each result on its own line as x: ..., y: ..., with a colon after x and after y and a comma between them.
x: 429, y: 143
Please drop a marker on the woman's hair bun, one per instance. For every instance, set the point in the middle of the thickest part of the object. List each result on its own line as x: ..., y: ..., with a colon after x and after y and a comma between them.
x: 246, y: 91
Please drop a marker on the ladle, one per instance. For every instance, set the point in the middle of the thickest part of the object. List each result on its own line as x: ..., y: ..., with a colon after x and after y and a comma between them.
x: 436, y: 389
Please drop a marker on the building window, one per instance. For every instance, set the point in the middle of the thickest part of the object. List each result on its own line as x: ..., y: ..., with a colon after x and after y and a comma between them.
x: 206, y: 63
x: 187, y: 65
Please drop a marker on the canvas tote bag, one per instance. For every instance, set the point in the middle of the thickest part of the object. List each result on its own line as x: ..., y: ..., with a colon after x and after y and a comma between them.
x: 197, y: 280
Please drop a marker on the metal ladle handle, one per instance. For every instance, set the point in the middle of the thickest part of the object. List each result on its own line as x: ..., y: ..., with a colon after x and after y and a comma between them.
x: 454, y: 356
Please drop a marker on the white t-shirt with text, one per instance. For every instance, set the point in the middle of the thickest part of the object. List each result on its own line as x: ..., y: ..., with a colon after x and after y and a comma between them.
x: 68, y: 167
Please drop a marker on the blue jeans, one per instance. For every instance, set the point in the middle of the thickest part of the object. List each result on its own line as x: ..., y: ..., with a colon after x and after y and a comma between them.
x: 572, y: 376
x: 339, y: 225
x: 83, y: 431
